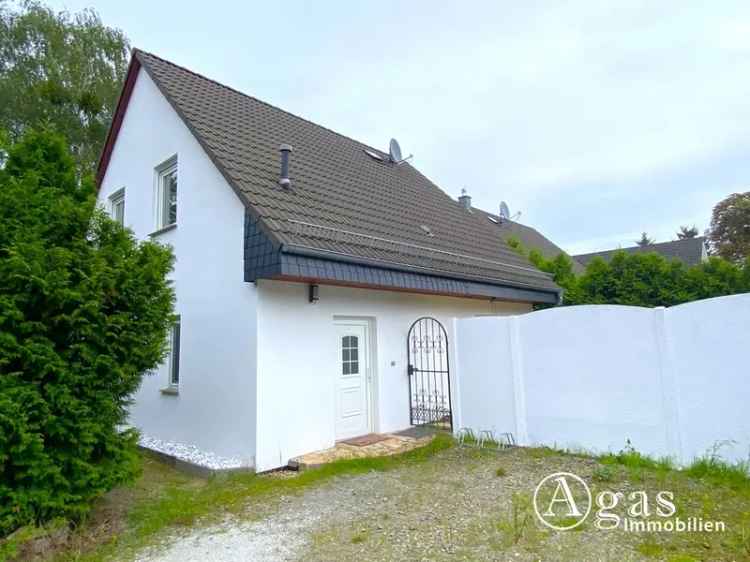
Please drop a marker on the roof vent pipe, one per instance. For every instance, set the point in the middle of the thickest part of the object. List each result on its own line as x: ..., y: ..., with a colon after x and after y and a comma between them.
x: 465, y: 200
x: 286, y: 150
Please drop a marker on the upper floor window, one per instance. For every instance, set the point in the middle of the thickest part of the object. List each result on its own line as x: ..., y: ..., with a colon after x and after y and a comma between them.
x: 117, y: 206
x: 166, y: 196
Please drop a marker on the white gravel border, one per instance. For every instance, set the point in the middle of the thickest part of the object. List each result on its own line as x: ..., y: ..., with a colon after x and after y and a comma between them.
x: 192, y: 454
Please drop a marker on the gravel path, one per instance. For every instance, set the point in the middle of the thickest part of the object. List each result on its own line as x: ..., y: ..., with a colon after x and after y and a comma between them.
x: 282, y: 534
x: 453, y: 507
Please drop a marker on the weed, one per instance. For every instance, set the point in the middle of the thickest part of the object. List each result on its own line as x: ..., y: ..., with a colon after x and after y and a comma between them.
x: 500, y: 472
x: 717, y: 471
x: 604, y: 474
x: 515, y: 526
x: 359, y: 538
x: 629, y: 458
x: 740, y: 540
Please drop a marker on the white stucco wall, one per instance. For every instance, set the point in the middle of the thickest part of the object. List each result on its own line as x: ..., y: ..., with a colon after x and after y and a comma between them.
x: 297, y: 365
x: 672, y: 381
x: 215, y: 409
x: 710, y: 353
x: 484, y: 350
x: 592, y: 378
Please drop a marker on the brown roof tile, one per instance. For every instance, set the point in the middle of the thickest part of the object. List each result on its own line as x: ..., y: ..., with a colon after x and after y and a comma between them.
x: 342, y: 201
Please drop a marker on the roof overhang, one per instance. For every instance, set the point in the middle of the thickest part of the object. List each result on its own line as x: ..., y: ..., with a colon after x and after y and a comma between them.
x: 267, y: 259
x: 308, y: 268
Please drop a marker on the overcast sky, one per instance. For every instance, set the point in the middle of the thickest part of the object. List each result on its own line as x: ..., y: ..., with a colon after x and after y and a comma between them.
x: 596, y: 122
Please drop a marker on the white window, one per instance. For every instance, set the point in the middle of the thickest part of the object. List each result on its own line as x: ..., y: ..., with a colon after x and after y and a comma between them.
x: 117, y: 206
x: 350, y: 355
x: 166, y: 193
x: 174, y: 355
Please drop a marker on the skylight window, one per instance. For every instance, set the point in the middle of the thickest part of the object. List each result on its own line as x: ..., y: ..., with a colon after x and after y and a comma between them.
x: 373, y: 155
x: 493, y: 219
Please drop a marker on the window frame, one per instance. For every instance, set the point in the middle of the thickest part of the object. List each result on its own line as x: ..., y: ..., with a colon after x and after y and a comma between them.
x: 350, y: 360
x: 173, y: 373
x: 117, y: 198
x: 162, y: 203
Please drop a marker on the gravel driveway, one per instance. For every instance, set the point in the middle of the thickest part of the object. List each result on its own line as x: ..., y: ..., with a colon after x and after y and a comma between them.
x: 454, y: 507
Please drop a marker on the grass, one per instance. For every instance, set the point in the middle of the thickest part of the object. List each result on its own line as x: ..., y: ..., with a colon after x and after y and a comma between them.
x: 709, y: 469
x: 709, y: 488
x: 164, y: 499
x: 650, y: 548
x: 716, y: 471
x: 603, y: 474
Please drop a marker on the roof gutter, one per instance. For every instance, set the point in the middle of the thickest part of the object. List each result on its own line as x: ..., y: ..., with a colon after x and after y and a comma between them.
x: 546, y: 295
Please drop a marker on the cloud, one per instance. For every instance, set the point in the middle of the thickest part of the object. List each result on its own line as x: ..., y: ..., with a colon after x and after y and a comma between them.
x: 597, y: 120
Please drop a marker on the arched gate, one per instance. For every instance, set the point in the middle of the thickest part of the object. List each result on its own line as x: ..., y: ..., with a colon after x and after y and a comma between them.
x: 429, y: 374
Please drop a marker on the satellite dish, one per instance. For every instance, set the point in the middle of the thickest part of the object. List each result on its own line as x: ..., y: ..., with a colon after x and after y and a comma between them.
x: 504, y: 211
x: 395, y: 151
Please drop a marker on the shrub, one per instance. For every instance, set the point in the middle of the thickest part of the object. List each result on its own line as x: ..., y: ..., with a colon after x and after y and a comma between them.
x: 84, y: 312
x: 641, y: 279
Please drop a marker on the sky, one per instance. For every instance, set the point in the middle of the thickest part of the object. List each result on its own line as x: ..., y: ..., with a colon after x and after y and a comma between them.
x: 596, y: 120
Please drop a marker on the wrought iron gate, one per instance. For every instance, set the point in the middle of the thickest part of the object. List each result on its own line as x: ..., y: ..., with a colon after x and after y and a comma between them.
x: 429, y: 374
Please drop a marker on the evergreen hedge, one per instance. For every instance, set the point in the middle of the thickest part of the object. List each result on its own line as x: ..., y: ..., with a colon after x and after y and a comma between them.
x: 84, y: 311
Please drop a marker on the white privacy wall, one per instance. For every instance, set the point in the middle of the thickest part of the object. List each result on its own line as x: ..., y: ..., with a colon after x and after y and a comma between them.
x: 672, y: 381
x: 215, y: 408
x: 710, y: 352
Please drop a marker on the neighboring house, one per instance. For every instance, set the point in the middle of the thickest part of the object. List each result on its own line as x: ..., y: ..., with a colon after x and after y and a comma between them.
x: 295, y: 293
x: 530, y: 238
x: 691, y: 251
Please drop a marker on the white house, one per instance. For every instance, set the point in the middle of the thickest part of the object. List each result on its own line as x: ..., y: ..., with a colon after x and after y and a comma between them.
x: 303, y: 258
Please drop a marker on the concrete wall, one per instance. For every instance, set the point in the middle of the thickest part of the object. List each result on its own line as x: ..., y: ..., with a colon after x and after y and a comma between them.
x: 709, y: 349
x: 215, y: 408
x: 672, y: 381
x: 297, y: 365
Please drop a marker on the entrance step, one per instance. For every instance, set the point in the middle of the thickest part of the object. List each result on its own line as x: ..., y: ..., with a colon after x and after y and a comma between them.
x: 375, y: 445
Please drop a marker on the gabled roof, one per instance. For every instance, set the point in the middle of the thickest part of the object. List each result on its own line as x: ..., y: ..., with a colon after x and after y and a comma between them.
x: 690, y: 251
x: 342, y: 203
x: 530, y: 238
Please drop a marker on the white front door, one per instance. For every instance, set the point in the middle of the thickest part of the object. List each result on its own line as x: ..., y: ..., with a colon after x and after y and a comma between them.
x: 352, y: 370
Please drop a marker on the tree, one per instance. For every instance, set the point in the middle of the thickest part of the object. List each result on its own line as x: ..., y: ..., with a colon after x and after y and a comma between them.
x: 729, y: 234
x: 687, y: 232
x: 60, y: 71
x: 644, y: 240
x: 84, y: 312
x: 641, y: 279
